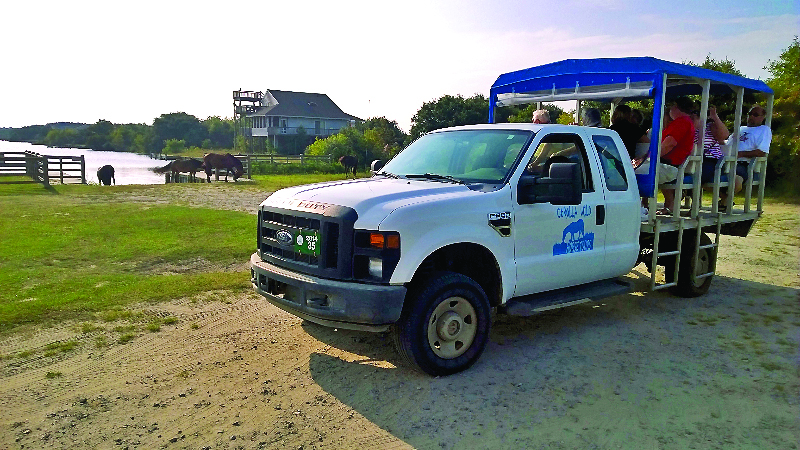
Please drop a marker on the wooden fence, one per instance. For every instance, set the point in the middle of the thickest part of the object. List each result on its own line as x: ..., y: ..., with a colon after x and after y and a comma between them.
x: 44, y: 169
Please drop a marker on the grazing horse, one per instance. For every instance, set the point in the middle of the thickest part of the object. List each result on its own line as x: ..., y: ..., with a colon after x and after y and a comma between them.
x: 227, y: 161
x: 190, y: 166
x: 349, y: 163
x: 105, y: 175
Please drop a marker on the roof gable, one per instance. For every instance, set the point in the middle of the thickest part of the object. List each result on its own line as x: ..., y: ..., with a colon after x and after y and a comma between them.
x: 302, y: 104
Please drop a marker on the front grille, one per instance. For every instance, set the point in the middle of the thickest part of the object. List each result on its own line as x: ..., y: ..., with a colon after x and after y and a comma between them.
x: 272, y: 223
x: 333, y: 227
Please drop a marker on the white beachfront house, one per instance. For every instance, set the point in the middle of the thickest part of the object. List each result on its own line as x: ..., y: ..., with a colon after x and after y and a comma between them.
x: 285, y: 112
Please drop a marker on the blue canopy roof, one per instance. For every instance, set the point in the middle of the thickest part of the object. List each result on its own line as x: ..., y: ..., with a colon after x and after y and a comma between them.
x: 608, y: 79
x: 568, y: 73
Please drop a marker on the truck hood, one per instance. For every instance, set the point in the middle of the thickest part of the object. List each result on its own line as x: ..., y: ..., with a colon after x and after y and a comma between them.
x: 372, y: 198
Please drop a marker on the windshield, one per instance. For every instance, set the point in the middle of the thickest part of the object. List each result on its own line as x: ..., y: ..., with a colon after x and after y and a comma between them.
x: 468, y: 156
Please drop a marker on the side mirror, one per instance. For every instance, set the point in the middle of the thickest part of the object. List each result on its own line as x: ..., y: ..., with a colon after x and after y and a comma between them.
x: 376, y: 166
x: 562, y: 187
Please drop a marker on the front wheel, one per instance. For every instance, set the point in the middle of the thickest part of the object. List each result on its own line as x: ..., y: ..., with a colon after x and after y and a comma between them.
x: 445, y: 327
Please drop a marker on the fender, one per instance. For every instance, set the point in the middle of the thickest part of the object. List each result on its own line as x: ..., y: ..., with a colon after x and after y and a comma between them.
x: 422, y: 233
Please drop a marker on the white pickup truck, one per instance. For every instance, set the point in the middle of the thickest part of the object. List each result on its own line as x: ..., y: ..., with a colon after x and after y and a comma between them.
x: 516, y: 218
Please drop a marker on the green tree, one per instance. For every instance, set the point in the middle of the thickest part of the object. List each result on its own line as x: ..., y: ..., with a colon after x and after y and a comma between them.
x: 449, y: 111
x: 180, y: 126
x: 784, y: 155
x: 720, y: 65
x: 240, y: 145
x: 348, y: 141
x: 385, y: 134
x: 220, y: 132
x: 66, y: 137
x: 143, y: 141
x: 174, y: 146
x: 98, y: 135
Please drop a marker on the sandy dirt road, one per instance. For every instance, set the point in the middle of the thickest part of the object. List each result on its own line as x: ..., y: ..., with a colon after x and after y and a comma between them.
x: 645, y: 371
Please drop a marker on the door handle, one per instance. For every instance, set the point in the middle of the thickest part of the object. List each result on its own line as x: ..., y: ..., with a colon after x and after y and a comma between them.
x: 601, y: 214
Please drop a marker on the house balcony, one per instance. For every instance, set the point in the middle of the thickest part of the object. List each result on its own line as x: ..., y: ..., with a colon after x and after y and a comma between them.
x: 283, y: 131
x: 247, y: 96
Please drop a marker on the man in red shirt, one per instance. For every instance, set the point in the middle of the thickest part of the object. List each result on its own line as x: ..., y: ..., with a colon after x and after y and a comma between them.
x: 677, y: 142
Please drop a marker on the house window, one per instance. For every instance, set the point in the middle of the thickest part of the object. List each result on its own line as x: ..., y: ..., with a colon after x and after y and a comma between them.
x: 317, y: 127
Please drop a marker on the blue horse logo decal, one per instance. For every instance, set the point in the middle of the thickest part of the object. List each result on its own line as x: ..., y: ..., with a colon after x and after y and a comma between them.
x: 579, y: 240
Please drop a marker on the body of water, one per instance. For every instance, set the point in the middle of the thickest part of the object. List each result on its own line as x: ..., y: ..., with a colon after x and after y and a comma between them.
x: 129, y: 168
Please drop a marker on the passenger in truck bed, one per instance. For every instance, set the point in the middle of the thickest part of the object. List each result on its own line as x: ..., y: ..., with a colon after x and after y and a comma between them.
x: 629, y: 132
x: 541, y: 116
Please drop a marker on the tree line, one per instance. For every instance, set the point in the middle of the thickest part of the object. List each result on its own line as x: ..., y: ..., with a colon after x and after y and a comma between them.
x: 174, y: 131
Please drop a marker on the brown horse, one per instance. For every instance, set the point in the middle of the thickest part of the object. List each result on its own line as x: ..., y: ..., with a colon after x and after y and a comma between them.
x: 349, y: 162
x: 227, y: 161
x: 190, y: 166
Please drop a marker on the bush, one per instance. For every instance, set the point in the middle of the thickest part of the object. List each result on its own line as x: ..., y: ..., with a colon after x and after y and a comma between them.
x: 266, y: 168
x: 174, y: 146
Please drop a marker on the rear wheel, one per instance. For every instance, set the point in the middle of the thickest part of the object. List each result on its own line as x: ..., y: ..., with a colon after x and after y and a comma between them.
x: 445, y: 328
x: 706, y: 261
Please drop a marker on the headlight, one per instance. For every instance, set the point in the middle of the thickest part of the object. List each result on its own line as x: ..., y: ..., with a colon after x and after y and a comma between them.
x: 375, y: 255
x: 376, y: 268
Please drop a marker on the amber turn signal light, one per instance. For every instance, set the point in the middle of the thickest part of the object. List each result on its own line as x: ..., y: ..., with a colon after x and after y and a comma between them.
x: 393, y: 241
x: 381, y: 241
x: 376, y: 240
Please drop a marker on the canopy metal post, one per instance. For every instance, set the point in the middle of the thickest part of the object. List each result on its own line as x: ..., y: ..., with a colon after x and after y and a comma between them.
x: 734, y: 150
x: 659, y: 102
x: 697, y: 189
x: 763, y: 182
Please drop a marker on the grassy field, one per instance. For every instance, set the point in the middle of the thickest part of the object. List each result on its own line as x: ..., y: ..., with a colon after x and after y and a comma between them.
x: 61, y: 258
x: 65, y: 258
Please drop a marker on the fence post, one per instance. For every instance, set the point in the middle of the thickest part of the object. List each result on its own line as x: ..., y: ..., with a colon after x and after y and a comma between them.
x: 45, y: 171
x: 61, y: 169
x: 249, y: 171
x: 83, y: 170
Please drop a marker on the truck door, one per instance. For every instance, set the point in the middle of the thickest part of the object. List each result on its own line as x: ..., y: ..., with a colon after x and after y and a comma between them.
x: 622, y: 205
x: 557, y: 246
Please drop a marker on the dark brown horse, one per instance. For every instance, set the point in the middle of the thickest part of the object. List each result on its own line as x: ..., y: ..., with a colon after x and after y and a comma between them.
x: 105, y: 175
x: 190, y: 166
x: 349, y: 162
x: 227, y: 161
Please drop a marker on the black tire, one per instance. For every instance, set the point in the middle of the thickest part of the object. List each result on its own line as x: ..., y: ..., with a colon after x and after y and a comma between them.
x: 707, y: 261
x: 445, y: 324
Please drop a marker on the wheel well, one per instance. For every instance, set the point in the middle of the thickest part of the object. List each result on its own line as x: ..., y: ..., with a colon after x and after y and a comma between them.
x: 472, y: 260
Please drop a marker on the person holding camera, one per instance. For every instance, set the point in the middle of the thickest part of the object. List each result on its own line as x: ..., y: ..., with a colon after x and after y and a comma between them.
x: 715, y: 135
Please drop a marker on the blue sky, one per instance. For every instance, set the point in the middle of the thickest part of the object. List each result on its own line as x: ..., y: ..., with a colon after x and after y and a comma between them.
x: 85, y: 60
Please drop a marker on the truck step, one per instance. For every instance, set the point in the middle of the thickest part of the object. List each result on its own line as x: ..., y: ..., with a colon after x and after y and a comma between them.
x: 530, y: 305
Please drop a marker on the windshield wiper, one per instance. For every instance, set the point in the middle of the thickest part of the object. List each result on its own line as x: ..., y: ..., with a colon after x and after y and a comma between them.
x: 388, y: 174
x: 436, y: 177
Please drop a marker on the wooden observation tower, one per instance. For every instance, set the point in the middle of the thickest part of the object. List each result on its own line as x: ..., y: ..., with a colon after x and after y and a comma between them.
x: 244, y: 103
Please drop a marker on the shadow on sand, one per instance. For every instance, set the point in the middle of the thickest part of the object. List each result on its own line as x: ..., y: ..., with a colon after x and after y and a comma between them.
x: 595, y: 375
